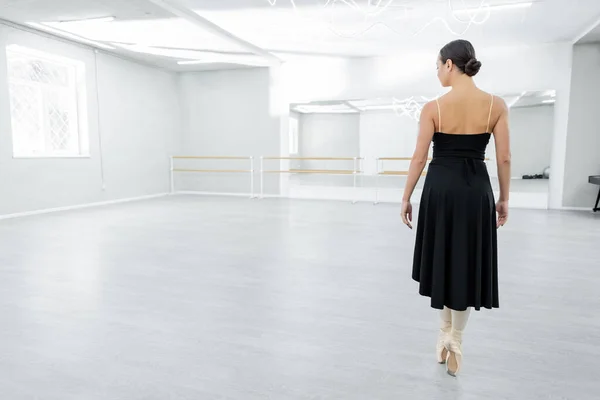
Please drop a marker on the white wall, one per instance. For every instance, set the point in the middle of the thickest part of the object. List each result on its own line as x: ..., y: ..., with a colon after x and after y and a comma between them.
x: 140, y: 122
x: 134, y: 115
x: 583, y: 140
x: 228, y: 113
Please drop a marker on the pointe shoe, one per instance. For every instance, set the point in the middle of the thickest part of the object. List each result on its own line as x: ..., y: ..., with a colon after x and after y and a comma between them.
x: 454, y: 347
x: 440, y: 350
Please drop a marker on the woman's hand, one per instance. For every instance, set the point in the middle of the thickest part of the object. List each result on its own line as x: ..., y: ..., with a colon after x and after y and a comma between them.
x: 502, y: 210
x: 407, y: 213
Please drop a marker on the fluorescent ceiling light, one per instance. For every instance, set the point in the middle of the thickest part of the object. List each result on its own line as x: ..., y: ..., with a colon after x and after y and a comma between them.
x: 166, y: 33
x: 322, y: 109
x: 68, y: 35
x: 212, y: 58
x: 494, y: 7
x: 380, y: 107
x: 371, y: 102
x: 97, y: 19
x: 158, y: 51
x: 549, y: 101
x: 228, y: 60
x: 195, y: 62
x: 197, y: 56
x: 326, y: 111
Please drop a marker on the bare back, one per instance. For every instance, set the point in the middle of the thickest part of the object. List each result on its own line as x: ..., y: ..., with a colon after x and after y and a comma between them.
x: 468, y: 112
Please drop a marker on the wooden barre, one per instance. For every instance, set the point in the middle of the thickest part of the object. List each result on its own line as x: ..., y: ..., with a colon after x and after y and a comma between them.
x: 212, y: 157
x: 398, y: 173
x: 313, y: 171
x: 313, y: 158
x: 213, y: 170
x: 397, y: 158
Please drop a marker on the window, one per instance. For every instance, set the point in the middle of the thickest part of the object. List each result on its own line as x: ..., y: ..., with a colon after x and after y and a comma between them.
x: 47, y: 102
x: 293, y: 135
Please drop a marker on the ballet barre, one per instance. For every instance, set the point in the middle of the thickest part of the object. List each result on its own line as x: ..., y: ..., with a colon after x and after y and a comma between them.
x: 249, y: 171
x: 356, y: 162
x: 382, y: 172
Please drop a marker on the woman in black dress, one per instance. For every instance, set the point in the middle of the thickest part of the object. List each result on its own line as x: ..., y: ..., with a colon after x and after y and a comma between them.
x: 455, y: 259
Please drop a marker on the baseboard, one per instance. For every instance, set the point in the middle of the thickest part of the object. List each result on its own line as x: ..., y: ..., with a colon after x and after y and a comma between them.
x: 227, y: 194
x: 80, y: 206
x: 577, y: 208
x: 200, y: 193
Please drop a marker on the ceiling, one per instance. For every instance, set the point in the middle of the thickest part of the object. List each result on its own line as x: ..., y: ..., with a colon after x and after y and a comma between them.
x: 248, y: 29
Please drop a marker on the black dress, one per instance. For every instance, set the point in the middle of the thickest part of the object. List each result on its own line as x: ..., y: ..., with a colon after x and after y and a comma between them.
x: 455, y: 260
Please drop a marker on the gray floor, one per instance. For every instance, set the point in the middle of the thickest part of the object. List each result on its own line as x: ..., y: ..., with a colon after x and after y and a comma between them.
x: 224, y: 298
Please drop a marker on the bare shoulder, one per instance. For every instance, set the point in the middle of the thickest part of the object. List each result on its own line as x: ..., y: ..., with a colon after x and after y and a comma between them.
x: 499, y: 108
x: 430, y: 108
x: 500, y: 103
x: 429, y: 112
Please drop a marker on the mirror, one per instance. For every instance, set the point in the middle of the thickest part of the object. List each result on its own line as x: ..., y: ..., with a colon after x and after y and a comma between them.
x: 360, y: 149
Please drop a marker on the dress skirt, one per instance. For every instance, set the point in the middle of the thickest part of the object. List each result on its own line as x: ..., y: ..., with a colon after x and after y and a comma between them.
x: 455, y: 259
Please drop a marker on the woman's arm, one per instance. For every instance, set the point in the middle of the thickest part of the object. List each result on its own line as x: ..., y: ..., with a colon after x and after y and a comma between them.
x: 419, y: 159
x: 503, y: 156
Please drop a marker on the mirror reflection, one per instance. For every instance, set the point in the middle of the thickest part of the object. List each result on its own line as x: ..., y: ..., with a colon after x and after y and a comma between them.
x: 360, y: 149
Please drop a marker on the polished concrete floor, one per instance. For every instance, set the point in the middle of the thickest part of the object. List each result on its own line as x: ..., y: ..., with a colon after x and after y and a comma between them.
x: 224, y: 298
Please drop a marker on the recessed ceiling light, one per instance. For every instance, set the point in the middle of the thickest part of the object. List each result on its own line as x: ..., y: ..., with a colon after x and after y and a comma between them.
x: 495, y: 7
x: 95, y: 19
x: 195, y: 62
x: 68, y: 35
x: 227, y: 59
x: 158, y: 51
x: 379, y: 107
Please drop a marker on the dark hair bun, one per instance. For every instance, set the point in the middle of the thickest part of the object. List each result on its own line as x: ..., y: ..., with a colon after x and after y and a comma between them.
x: 472, y: 67
x: 462, y: 54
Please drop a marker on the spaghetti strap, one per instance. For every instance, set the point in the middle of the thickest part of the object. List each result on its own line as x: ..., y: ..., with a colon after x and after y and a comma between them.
x: 439, y: 115
x: 487, y: 130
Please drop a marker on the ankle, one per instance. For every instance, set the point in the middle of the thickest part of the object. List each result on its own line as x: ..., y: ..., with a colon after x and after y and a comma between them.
x: 456, y: 335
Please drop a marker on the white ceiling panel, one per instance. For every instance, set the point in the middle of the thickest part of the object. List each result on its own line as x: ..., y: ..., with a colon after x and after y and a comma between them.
x: 404, y: 25
x: 292, y: 28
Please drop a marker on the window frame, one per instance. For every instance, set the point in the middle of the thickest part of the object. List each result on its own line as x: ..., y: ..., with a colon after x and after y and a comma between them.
x: 78, y: 96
